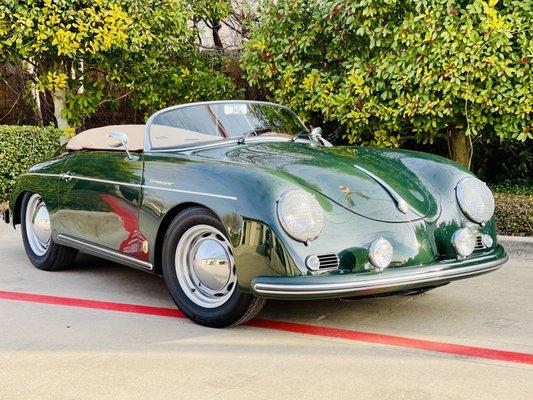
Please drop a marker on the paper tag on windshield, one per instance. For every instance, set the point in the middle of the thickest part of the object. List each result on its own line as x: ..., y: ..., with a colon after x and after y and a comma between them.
x: 235, y: 109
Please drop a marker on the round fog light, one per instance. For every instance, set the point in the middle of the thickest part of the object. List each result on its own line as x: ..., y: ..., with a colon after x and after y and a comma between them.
x: 312, y: 262
x: 380, y: 253
x: 487, y: 241
x: 463, y: 241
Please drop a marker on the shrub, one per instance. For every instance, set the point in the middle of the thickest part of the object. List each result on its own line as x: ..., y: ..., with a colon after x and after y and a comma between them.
x: 144, y: 48
x: 514, y: 208
x: 20, y: 148
x: 386, y: 70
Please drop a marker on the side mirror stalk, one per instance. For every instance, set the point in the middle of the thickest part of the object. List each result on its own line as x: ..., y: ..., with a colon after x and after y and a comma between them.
x: 119, y: 139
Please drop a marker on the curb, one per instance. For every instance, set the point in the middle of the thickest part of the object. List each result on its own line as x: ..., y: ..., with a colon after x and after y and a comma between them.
x: 518, y: 246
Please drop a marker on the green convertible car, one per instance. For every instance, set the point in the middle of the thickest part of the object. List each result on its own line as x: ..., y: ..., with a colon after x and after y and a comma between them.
x: 235, y: 202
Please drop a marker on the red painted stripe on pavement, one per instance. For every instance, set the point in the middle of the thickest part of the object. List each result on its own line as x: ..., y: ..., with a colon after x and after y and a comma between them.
x: 96, y: 304
x: 399, y: 341
x: 359, y: 336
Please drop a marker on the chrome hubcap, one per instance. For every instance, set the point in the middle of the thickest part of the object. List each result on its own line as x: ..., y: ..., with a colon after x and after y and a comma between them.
x: 38, y: 230
x: 205, y: 266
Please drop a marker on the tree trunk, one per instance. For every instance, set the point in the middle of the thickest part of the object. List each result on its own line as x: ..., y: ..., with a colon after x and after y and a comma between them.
x: 59, y: 105
x: 73, y: 75
x: 37, y: 109
x: 217, y: 41
x: 460, y: 147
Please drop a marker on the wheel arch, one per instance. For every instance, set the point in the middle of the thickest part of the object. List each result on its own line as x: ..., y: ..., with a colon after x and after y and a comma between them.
x: 163, y: 227
x: 17, y: 207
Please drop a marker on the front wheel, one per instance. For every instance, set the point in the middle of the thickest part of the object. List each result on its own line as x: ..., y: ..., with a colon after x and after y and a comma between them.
x: 42, y: 252
x: 199, y: 270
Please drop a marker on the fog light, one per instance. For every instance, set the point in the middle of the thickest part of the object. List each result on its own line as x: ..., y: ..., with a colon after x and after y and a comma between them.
x: 380, y: 253
x: 312, y: 262
x: 464, y: 242
x: 487, y: 241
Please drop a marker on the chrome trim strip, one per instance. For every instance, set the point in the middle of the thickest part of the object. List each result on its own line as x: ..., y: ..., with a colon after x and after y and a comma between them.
x: 82, y: 178
x: 380, y: 282
x: 220, y: 196
x: 137, y: 186
x: 85, y: 178
x: 103, y: 252
x: 41, y: 174
x: 401, y: 204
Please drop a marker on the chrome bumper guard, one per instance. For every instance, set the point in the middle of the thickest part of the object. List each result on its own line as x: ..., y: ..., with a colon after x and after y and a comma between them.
x: 389, y: 281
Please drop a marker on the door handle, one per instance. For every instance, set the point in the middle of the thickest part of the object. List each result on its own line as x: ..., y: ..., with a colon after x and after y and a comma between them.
x: 67, y: 176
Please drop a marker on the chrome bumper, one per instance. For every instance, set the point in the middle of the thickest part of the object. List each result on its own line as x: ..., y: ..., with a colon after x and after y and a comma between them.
x: 389, y: 281
x: 5, y: 216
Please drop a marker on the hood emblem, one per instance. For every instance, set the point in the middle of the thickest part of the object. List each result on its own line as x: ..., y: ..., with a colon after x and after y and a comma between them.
x: 401, y: 204
x: 347, y: 195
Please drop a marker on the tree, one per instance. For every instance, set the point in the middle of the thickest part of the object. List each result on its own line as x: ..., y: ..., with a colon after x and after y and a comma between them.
x: 234, y: 16
x: 77, y: 49
x: 211, y: 13
x: 385, y: 70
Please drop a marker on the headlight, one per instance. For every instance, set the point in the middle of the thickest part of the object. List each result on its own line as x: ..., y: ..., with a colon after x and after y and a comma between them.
x: 475, y: 199
x: 380, y: 253
x: 463, y: 241
x: 300, y: 215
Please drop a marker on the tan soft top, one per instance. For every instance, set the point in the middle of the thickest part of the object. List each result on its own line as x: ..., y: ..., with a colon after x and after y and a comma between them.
x: 161, y: 136
x: 96, y: 138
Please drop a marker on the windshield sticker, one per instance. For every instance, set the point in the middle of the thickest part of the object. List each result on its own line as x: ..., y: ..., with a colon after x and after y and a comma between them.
x: 235, y: 109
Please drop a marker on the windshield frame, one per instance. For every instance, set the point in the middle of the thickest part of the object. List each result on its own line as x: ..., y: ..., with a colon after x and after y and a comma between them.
x: 218, y: 141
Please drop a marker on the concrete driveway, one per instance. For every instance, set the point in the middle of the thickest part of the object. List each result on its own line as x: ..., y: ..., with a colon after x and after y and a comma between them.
x: 69, y: 347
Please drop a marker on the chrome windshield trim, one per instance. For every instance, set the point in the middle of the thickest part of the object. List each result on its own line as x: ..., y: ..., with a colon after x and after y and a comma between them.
x: 148, y: 144
x: 219, y: 196
x: 401, y: 204
x: 104, y: 252
x: 227, y: 142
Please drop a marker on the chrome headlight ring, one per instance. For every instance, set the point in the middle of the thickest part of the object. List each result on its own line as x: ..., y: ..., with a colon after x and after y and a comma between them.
x: 464, y: 242
x: 300, y: 215
x: 380, y: 253
x: 475, y: 199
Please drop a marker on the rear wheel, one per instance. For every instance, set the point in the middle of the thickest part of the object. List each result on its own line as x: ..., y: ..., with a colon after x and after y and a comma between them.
x: 199, y: 269
x: 42, y: 252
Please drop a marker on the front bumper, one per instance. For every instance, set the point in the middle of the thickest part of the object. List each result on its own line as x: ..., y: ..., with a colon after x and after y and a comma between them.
x: 371, y: 283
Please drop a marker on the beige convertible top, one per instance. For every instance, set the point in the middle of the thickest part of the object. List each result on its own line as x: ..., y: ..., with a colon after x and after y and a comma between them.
x: 96, y: 138
x: 160, y: 136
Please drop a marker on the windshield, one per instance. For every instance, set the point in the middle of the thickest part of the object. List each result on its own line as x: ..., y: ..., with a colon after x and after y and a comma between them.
x: 210, y: 122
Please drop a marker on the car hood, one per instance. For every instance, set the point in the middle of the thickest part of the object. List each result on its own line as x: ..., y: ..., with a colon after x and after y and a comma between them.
x: 365, y: 181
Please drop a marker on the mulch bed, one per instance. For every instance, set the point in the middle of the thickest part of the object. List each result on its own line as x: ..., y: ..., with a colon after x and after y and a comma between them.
x: 514, y: 214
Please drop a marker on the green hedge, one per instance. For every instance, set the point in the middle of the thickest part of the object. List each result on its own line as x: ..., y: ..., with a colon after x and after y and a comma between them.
x: 20, y: 148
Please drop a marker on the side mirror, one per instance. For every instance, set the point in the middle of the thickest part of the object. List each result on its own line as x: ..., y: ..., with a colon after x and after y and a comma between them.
x: 316, y: 132
x: 316, y: 135
x: 119, y: 139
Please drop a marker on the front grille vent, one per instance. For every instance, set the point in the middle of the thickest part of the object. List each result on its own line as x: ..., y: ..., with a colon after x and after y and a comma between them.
x: 328, y: 261
x: 479, y: 243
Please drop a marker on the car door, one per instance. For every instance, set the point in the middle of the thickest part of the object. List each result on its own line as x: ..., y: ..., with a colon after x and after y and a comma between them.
x: 99, y: 200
